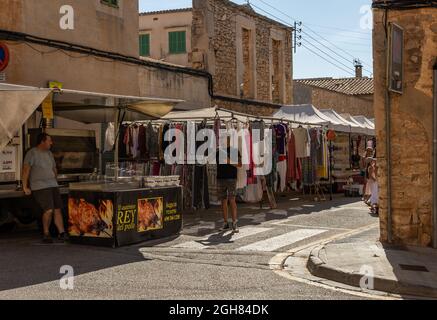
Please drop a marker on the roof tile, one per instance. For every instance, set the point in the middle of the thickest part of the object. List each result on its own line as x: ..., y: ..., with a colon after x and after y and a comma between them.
x: 349, y: 86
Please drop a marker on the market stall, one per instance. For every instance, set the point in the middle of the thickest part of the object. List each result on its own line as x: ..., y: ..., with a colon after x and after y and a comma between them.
x: 120, y: 213
x: 343, y: 136
x: 251, y: 185
x: 119, y: 206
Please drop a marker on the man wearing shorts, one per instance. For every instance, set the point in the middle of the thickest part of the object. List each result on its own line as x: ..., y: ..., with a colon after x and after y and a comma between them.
x: 39, y: 180
x: 227, y: 184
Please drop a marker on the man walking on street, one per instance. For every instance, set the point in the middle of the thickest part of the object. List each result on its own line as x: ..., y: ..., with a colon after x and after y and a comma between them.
x: 39, y: 180
x: 227, y: 183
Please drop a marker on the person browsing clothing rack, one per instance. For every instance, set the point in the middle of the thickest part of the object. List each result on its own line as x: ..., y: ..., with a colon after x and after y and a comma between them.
x: 227, y: 183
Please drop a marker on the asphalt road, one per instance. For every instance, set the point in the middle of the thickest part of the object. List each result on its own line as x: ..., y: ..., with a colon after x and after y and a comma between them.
x: 202, y: 263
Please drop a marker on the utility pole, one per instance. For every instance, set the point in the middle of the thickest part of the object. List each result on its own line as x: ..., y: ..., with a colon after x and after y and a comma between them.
x: 297, y: 35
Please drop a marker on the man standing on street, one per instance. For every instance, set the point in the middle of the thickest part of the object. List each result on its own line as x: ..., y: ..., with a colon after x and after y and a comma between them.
x: 227, y: 183
x: 39, y: 179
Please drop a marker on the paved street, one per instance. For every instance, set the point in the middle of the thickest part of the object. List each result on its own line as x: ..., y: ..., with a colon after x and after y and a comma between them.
x: 201, y: 263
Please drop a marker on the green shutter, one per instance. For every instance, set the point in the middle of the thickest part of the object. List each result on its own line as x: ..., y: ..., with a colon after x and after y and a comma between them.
x: 145, y: 45
x: 177, y: 42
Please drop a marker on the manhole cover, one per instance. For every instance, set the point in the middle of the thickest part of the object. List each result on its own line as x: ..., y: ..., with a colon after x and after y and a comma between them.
x: 407, y: 267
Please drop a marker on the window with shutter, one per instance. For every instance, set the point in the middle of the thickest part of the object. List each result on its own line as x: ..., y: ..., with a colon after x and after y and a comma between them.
x: 112, y: 3
x: 177, y: 42
x: 145, y: 45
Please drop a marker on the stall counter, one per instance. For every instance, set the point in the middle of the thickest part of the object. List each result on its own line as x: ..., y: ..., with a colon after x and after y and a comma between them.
x: 123, y: 216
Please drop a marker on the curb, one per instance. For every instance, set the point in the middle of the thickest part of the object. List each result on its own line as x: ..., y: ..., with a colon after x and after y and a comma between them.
x: 321, y: 269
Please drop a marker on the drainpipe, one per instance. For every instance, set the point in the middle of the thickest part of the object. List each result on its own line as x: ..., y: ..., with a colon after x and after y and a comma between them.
x: 388, y: 135
x: 388, y: 155
x: 434, y: 160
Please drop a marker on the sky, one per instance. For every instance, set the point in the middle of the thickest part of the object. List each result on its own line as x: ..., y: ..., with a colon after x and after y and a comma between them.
x: 334, y: 32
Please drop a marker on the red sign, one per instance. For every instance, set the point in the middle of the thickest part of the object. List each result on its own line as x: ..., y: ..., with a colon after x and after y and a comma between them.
x: 4, y: 56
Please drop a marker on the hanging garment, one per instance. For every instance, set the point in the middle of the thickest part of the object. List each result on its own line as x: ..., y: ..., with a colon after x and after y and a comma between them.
x: 122, y: 147
x: 126, y: 141
x: 109, y: 138
x: 253, y: 193
x: 135, y: 145
x: 156, y: 168
x: 200, y: 188
x: 291, y: 158
x: 259, y: 125
x: 142, y: 142
x: 303, y: 141
x: 187, y: 184
x: 314, y: 145
x: 152, y: 141
x: 272, y: 178
x: 282, y: 173
x: 217, y: 127
x: 243, y: 146
x: 281, y: 138
x: 164, y: 142
x: 323, y: 158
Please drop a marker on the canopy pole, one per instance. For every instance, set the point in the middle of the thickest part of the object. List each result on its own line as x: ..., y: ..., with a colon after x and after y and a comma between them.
x: 117, y: 139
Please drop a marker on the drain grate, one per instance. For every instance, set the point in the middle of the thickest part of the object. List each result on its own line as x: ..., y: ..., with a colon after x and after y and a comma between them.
x: 407, y: 267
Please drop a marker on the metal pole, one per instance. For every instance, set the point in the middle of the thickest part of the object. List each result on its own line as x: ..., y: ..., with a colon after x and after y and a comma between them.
x: 434, y: 172
x: 331, y: 169
x: 117, y: 138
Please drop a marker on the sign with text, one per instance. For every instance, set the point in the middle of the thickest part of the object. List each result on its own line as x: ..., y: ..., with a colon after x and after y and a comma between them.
x: 124, y: 217
x: 8, y: 160
x: 47, y: 107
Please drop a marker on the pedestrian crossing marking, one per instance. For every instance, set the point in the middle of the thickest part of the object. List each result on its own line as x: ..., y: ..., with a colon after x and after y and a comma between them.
x: 281, y: 241
x: 221, y: 238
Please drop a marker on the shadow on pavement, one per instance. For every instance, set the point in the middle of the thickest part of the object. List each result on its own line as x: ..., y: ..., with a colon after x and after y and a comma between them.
x: 25, y: 261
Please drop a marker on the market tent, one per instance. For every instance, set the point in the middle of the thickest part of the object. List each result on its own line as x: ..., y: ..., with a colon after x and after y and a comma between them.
x: 365, y: 122
x: 305, y: 113
x: 370, y: 131
x: 207, y: 114
x: 92, y: 107
x: 17, y: 104
x: 352, y: 127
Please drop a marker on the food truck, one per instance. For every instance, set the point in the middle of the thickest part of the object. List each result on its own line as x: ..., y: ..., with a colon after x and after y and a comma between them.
x: 101, y: 208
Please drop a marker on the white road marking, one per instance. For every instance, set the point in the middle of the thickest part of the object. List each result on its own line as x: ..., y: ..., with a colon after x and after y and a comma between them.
x: 281, y: 241
x: 219, y: 238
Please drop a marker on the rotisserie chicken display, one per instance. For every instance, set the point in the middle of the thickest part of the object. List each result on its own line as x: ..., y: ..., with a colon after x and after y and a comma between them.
x: 150, y: 213
x: 86, y: 220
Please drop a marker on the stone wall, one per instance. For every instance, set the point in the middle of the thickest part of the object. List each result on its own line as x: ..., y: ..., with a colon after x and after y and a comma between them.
x: 246, y: 108
x: 411, y: 127
x: 324, y: 99
x: 217, y: 35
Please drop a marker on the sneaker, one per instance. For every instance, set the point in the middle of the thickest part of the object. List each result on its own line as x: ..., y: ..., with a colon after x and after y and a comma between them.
x: 235, y: 227
x: 47, y: 239
x: 63, y: 237
x: 225, y: 227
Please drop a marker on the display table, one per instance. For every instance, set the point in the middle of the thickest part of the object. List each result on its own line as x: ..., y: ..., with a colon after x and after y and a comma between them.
x: 118, y: 214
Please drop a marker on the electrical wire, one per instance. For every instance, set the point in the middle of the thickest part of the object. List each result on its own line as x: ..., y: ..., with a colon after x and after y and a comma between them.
x: 310, y: 36
x: 320, y: 56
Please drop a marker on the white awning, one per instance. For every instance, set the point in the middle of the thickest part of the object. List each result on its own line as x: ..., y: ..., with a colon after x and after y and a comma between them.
x: 93, y: 107
x: 305, y: 113
x: 348, y: 126
x: 368, y: 130
x: 207, y: 114
x: 17, y: 104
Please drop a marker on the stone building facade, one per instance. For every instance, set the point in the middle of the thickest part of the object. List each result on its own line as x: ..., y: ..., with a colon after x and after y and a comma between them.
x: 158, y: 25
x: 405, y: 152
x: 248, y: 55
x: 102, y: 27
x: 349, y: 95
